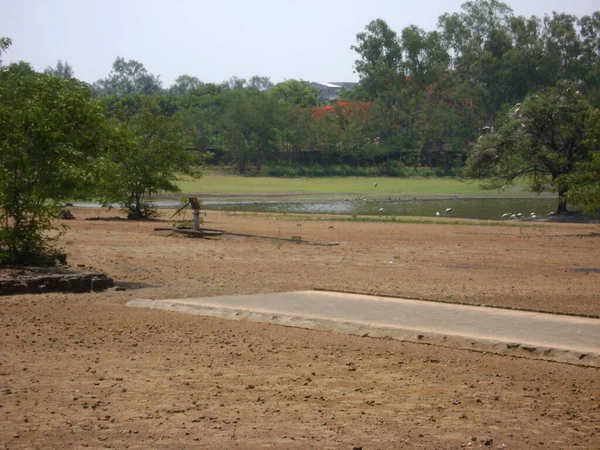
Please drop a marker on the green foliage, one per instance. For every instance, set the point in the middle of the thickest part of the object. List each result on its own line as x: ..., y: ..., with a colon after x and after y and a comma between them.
x: 184, y: 84
x: 545, y: 139
x: 584, y: 182
x: 52, y: 135
x: 295, y: 92
x: 128, y: 77
x: 4, y: 44
x: 148, y: 156
x: 61, y: 70
x: 249, y: 127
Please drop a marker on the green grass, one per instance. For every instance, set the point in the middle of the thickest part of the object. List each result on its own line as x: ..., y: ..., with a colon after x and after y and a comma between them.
x: 227, y: 184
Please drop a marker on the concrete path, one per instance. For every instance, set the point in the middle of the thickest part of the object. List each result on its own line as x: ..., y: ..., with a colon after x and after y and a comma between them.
x: 543, y: 336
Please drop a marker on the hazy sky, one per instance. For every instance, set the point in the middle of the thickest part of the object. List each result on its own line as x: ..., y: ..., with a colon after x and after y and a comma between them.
x: 215, y: 39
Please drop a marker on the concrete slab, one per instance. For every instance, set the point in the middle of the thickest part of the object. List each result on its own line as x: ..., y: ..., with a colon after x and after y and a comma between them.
x: 569, y: 339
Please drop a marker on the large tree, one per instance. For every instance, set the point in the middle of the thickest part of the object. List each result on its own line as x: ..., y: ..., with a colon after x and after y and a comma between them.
x: 380, y: 60
x: 149, y: 156
x: 128, y: 77
x: 249, y: 127
x: 584, y: 182
x: 543, y: 140
x: 52, y: 133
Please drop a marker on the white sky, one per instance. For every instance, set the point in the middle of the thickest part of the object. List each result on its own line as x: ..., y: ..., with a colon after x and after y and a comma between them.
x: 215, y: 39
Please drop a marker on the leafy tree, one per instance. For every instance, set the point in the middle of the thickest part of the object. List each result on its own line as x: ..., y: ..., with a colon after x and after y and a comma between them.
x: 584, y: 182
x: 52, y: 133
x: 295, y: 92
x: 380, y: 63
x: 344, y: 131
x: 260, y: 83
x: 544, y: 139
x: 425, y: 56
x: 4, y: 44
x: 150, y: 155
x: 249, y: 127
x: 184, y: 84
x: 590, y: 58
x: 61, y: 70
x: 128, y: 77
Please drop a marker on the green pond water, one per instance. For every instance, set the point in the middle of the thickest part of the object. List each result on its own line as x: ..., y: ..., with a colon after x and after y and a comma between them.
x: 479, y: 208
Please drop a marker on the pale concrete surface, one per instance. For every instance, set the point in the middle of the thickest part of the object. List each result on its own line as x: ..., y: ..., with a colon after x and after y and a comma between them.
x: 518, y: 333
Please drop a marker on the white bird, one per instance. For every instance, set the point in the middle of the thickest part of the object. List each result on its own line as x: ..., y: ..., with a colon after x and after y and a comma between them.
x: 519, y: 215
x: 448, y: 210
x: 380, y: 211
x: 513, y: 216
x: 375, y: 185
x: 505, y: 215
x: 437, y: 214
x: 532, y: 214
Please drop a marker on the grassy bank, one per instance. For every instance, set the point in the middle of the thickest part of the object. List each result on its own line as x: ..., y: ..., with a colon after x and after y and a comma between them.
x: 341, y: 186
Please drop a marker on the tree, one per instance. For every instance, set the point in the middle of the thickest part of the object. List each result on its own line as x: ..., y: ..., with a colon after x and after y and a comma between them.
x: 295, y: 92
x: 52, y: 133
x: 425, y: 56
x: 380, y: 63
x: 260, y: 83
x: 584, y: 183
x: 249, y: 125
x: 4, y: 44
x: 128, y: 77
x: 149, y: 156
x: 544, y: 140
x: 61, y: 70
x: 184, y: 84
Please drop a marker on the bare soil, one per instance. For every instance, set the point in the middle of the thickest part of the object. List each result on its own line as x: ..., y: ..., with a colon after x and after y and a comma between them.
x: 83, y: 370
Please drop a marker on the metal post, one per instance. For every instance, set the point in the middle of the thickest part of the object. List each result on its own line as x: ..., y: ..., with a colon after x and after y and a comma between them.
x: 197, y: 219
x: 196, y: 207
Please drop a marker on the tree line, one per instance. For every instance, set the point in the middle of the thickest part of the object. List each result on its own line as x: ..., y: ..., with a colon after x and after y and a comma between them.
x: 423, y: 97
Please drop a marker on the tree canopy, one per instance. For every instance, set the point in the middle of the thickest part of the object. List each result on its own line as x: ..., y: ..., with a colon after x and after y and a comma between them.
x: 149, y: 156
x: 52, y: 132
x: 547, y: 138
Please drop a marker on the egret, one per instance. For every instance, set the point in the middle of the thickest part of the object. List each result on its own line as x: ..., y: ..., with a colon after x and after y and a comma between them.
x: 380, y: 211
x: 519, y: 215
x: 437, y: 214
x: 505, y: 215
x: 448, y: 210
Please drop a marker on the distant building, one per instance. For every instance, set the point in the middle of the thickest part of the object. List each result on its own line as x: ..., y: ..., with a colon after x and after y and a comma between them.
x: 331, y: 91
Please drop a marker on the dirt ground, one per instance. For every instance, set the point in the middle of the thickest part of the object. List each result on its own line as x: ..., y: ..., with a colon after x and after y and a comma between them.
x: 83, y: 370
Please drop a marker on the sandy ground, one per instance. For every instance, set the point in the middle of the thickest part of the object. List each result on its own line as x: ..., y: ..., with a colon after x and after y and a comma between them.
x: 85, y: 371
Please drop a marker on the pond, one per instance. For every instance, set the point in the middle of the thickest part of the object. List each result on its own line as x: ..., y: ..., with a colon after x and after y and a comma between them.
x: 471, y: 208
x: 468, y: 208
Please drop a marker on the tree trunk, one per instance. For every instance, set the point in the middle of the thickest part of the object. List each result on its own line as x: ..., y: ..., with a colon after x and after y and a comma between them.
x: 562, y: 201
x: 138, y: 205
